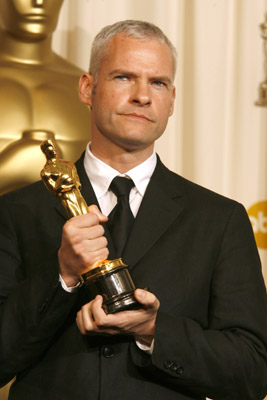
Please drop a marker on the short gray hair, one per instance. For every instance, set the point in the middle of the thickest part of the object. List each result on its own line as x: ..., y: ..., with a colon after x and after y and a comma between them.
x: 134, y: 28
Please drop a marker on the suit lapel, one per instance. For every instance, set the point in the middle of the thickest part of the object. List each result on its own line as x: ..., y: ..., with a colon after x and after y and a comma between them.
x: 162, y: 204
x: 86, y: 187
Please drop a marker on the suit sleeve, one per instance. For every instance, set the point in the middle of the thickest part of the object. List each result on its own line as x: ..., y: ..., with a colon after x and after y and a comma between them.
x: 227, y: 359
x: 32, y: 308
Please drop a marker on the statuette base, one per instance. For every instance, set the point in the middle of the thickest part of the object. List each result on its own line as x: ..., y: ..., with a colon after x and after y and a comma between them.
x: 112, y: 280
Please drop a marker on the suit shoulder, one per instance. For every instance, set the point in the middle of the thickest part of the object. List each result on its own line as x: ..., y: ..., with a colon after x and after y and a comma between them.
x: 34, y: 193
x: 201, y: 192
x: 200, y: 195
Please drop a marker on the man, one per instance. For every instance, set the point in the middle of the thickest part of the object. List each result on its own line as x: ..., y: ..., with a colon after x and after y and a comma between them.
x: 201, y: 329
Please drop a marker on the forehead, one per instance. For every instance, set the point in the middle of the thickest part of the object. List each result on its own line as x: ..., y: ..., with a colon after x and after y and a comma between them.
x: 134, y: 53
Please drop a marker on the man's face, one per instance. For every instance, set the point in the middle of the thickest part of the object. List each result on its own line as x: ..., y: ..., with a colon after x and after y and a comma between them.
x: 134, y: 94
x: 29, y: 18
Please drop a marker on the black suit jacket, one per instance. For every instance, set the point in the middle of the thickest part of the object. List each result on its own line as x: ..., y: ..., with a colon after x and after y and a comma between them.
x: 191, y: 247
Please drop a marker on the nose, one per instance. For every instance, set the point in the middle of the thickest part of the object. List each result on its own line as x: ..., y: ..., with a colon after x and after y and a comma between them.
x: 38, y: 3
x: 141, y: 94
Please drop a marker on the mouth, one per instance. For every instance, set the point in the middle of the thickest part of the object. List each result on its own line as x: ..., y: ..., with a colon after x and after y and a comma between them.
x: 140, y: 117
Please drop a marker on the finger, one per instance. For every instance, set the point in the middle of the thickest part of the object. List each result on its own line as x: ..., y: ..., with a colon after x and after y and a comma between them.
x: 147, y: 298
x: 82, y: 221
x: 79, y: 322
x: 92, y: 232
x: 105, y: 323
x: 84, y: 319
x: 85, y: 237
x: 98, y: 313
x: 95, y: 210
x: 94, y: 244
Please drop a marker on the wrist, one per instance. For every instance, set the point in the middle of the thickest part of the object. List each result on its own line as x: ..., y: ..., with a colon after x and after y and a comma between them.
x: 71, y: 280
x: 147, y: 336
x: 145, y: 340
x: 147, y: 349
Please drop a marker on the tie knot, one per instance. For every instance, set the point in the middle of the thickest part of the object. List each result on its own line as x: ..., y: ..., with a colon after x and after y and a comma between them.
x: 121, y: 186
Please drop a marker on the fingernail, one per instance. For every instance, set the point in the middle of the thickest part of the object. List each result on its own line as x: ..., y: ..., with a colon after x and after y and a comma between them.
x: 141, y: 293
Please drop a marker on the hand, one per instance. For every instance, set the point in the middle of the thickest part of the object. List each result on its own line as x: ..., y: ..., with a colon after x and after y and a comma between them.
x: 82, y: 245
x: 92, y: 319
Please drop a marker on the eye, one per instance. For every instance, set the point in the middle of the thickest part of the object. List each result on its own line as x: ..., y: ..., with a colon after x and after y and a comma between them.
x: 159, y: 84
x: 121, y: 77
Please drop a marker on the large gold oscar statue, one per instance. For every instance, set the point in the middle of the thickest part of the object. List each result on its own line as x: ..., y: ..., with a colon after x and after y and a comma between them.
x: 39, y: 92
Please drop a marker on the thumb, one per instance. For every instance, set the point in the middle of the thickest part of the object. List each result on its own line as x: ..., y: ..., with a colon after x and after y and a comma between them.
x: 95, y: 210
x: 146, y: 298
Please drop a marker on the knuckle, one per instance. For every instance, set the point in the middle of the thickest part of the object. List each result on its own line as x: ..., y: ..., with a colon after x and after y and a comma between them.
x: 101, y: 323
x: 103, y: 241
x: 105, y: 253
x: 67, y: 228
x: 75, y: 239
x: 93, y: 219
x: 100, y: 230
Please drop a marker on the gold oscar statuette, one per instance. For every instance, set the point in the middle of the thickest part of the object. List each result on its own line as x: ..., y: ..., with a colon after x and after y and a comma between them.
x: 109, y: 278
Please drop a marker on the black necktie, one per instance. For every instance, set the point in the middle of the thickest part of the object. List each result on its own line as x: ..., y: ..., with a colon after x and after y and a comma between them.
x: 121, y: 217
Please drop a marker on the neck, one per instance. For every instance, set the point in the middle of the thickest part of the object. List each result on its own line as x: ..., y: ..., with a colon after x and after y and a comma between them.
x: 121, y: 159
x: 19, y: 50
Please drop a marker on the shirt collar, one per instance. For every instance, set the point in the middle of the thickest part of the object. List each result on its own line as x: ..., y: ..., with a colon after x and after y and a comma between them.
x: 101, y: 174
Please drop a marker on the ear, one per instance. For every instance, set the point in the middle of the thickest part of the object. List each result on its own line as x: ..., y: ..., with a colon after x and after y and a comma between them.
x: 86, y: 85
x: 172, y: 102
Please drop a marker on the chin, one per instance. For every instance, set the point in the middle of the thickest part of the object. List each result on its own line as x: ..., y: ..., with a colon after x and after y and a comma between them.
x: 133, y: 144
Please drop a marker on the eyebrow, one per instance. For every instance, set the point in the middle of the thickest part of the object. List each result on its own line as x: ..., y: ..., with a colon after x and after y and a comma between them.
x: 123, y: 72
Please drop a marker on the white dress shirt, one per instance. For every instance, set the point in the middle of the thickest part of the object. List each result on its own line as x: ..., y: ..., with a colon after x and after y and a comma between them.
x: 101, y: 176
